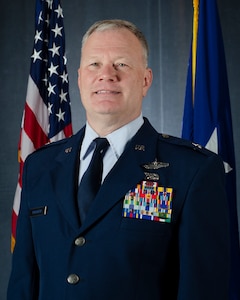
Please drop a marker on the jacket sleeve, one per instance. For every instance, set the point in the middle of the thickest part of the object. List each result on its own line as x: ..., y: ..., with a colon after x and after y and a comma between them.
x: 204, y: 236
x: 24, y: 278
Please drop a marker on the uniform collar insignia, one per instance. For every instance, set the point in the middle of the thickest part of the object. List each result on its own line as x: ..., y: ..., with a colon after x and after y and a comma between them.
x: 140, y: 147
x: 68, y: 150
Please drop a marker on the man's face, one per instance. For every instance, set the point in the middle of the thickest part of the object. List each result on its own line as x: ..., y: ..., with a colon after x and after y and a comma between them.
x: 113, y: 78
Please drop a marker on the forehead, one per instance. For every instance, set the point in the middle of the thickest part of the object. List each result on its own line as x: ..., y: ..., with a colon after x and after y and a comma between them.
x: 115, y: 39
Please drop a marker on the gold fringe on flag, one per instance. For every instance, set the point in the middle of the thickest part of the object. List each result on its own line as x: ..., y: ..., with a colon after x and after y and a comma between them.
x: 194, y: 44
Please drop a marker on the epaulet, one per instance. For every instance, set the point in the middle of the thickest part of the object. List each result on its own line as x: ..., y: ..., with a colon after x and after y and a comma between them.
x: 184, y: 143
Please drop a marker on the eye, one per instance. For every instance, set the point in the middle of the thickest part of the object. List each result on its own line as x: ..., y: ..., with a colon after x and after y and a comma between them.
x: 121, y: 65
x: 94, y: 64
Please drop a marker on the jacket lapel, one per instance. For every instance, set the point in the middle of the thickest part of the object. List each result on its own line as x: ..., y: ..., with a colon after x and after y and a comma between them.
x: 127, y: 172
x: 64, y: 177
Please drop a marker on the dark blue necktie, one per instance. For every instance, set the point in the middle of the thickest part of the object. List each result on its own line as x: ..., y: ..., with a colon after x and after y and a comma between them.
x: 92, y: 178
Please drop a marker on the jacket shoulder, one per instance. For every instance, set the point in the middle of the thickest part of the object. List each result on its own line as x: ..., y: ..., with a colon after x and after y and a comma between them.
x: 47, y: 153
x: 184, y: 144
x: 53, y: 148
x: 50, y: 147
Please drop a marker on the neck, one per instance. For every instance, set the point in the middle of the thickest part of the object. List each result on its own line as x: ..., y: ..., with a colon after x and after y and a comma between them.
x: 105, y: 126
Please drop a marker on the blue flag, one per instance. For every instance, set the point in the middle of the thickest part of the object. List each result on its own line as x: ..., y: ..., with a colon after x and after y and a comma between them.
x: 207, y: 112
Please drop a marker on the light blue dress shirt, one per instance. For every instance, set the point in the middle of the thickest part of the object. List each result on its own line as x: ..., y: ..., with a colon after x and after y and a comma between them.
x: 117, y: 140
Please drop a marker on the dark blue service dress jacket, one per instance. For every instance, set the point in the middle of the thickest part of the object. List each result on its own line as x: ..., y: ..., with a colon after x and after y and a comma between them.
x: 121, y: 252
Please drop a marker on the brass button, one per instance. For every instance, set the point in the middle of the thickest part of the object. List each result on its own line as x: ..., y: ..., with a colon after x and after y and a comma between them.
x: 73, y: 279
x: 80, y: 241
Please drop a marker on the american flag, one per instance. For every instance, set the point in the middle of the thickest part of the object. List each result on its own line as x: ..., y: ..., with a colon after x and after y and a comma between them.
x: 47, y: 112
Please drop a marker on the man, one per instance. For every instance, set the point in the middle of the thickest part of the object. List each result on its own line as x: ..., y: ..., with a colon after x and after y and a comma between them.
x: 158, y: 226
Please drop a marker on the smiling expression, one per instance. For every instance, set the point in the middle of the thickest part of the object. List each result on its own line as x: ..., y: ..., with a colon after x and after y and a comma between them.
x: 113, y: 78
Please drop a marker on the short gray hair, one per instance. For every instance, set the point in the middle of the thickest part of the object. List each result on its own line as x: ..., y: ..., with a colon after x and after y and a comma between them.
x: 118, y: 24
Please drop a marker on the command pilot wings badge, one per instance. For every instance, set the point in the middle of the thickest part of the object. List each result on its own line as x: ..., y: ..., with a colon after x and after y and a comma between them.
x: 155, y: 165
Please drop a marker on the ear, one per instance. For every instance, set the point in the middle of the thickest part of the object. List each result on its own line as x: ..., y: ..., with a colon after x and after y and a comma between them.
x: 147, y: 81
x: 79, y: 78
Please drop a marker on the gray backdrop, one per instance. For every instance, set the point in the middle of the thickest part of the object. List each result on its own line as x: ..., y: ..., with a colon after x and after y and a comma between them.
x: 167, y: 26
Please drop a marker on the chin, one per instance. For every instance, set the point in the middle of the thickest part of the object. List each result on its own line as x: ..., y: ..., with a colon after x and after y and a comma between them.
x: 107, y: 108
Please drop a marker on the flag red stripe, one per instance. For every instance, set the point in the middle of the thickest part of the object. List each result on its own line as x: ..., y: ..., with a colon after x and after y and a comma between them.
x: 14, y: 223
x: 21, y: 164
x: 68, y: 130
x: 33, y: 129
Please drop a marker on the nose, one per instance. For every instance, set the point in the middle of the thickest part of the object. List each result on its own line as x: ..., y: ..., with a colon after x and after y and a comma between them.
x: 108, y: 72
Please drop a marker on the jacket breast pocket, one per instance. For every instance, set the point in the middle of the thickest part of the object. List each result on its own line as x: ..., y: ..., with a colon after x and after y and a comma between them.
x: 145, y: 226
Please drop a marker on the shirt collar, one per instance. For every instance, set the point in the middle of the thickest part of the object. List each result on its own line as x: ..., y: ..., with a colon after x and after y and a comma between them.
x: 117, y: 139
x: 87, y: 144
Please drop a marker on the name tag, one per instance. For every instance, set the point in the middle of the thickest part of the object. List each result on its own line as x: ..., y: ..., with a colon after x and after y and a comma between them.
x: 39, y: 211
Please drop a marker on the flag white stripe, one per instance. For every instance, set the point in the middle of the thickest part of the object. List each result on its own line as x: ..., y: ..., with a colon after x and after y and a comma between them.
x: 16, y: 202
x: 27, y: 146
x: 38, y: 107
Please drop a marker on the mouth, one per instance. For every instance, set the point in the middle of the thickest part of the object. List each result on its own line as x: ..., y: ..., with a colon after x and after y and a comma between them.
x: 106, y: 92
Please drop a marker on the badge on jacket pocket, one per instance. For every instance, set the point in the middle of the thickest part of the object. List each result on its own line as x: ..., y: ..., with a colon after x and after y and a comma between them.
x: 149, y: 201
